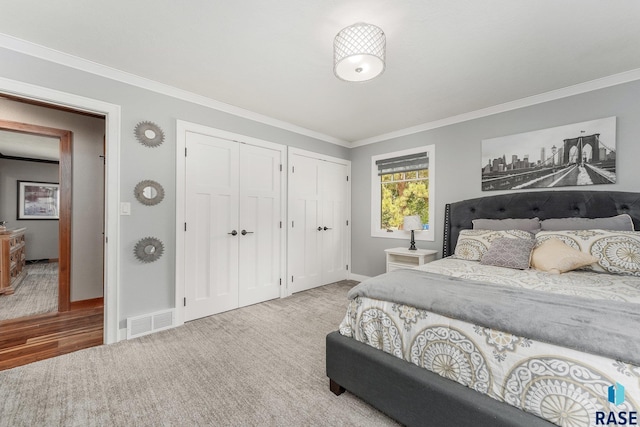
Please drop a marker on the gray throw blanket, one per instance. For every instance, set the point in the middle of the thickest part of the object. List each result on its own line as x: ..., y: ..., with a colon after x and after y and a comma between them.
x: 602, y: 327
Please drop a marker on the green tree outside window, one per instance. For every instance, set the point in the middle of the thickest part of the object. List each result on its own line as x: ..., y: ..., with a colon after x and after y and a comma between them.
x: 404, y: 194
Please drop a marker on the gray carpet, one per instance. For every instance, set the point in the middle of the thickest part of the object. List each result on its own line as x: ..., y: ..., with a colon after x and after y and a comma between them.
x: 261, y: 365
x: 36, y: 294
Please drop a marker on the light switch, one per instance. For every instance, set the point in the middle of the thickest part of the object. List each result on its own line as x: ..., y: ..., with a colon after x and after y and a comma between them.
x: 125, y: 208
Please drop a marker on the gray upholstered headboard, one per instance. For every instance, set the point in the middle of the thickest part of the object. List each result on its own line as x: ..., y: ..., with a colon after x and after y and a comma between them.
x: 541, y: 204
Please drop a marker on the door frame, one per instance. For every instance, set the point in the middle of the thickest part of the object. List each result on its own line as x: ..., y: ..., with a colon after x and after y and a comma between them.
x: 313, y: 155
x: 112, y: 115
x: 182, y: 127
x: 64, y: 221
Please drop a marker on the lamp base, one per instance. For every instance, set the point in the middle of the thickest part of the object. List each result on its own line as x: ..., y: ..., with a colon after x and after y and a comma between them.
x: 413, y: 243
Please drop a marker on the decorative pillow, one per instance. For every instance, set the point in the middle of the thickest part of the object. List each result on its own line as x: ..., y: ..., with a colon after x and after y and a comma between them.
x: 472, y: 244
x: 618, y: 252
x: 509, y: 253
x: 621, y: 222
x: 555, y: 257
x: 526, y: 224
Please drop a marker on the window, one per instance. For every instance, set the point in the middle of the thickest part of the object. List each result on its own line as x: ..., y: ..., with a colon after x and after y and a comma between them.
x: 401, y: 185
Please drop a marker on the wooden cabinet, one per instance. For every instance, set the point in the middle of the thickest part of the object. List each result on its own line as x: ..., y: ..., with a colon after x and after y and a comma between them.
x: 12, y: 259
x: 405, y: 258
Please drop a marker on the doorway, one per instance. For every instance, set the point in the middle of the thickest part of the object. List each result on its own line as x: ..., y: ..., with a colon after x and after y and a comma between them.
x: 26, y: 151
x: 79, y: 306
x: 112, y: 113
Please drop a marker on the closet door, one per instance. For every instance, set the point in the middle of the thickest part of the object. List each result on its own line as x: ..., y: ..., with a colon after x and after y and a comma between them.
x: 211, y: 255
x: 259, y: 248
x: 318, y: 209
x: 333, y: 184
x: 305, y: 230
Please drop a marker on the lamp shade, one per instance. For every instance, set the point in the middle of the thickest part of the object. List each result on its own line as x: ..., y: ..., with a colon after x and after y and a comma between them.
x: 359, y: 52
x: 412, y: 222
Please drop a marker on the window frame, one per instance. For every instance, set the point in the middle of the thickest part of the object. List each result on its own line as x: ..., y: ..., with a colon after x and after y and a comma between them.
x: 376, y: 231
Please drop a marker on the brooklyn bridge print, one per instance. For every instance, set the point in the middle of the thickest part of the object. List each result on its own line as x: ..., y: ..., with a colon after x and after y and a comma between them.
x: 577, y: 154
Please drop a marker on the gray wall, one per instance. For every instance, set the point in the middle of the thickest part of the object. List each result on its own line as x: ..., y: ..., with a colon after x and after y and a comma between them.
x: 87, y: 197
x: 146, y: 288
x: 41, y: 235
x: 458, y: 160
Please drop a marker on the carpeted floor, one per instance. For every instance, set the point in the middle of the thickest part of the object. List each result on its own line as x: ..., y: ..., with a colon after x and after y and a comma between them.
x: 262, y: 365
x: 36, y: 294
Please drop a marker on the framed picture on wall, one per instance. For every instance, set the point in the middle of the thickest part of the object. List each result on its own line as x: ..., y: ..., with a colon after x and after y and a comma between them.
x: 572, y: 155
x: 38, y: 200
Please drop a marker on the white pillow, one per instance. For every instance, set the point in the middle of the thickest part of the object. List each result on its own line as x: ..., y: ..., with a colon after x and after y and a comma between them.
x: 618, y: 252
x: 555, y: 257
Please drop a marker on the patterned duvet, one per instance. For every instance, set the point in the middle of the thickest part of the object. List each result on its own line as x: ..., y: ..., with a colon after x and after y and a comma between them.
x: 564, y: 386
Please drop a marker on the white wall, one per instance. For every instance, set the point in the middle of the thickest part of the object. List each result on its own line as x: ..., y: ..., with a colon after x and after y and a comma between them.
x: 458, y: 159
x: 87, y: 198
x: 41, y: 235
x: 145, y: 288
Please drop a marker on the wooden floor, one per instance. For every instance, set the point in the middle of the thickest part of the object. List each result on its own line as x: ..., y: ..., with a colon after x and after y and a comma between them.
x: 34, y: 338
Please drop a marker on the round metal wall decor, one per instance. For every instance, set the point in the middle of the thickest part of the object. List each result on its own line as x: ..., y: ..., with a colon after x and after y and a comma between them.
x: 149, y: 192
x: 149, y: 134
x: 148, y: 249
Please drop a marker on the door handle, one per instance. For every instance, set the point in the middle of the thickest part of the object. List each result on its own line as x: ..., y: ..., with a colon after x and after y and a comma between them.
x: 233, y: 232
x: 319, y: 228
x: 245, y: 232
x: 326, y: 228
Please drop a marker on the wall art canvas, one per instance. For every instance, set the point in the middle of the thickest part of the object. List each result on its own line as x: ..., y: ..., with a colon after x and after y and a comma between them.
x: 577, y: 154
x: 38, y: 200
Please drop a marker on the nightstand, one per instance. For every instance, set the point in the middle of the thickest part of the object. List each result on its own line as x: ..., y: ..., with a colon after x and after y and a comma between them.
x: 404, y: 258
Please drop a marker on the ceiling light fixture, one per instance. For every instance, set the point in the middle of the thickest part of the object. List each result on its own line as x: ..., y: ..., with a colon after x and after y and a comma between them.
x: 359, y: 52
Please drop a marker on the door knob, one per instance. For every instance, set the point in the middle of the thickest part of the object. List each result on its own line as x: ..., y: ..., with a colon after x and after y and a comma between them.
x: 245, y: 232
x: 233, y: 232
x: 319, y: 228
x: 326, y: 228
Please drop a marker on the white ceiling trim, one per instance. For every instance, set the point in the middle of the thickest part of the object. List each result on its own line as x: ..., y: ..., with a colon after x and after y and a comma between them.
x: 604, y: 82
x: 52, y: 55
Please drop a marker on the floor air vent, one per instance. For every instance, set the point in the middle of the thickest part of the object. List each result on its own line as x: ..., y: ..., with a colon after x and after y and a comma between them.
x: 149, y: 323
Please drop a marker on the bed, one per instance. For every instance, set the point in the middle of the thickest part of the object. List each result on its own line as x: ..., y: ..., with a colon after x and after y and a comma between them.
x: 509, y: 379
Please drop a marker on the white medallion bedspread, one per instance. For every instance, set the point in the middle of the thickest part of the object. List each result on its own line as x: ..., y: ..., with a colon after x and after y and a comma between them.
x: 563, y: 386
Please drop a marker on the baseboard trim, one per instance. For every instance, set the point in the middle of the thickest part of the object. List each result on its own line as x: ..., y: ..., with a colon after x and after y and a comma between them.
x: 87, y: 303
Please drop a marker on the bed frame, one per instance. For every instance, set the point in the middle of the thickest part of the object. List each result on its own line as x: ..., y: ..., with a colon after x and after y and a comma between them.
x: 415, y: 396
x: 542, y: 204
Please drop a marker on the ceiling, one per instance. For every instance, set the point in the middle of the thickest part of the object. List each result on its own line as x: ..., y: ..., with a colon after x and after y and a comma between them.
x: 26, y: 145
x: 274, y: 57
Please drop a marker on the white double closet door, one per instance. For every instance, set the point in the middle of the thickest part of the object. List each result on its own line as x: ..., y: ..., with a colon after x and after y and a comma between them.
x: 318, y: 242
x: 233, y: 224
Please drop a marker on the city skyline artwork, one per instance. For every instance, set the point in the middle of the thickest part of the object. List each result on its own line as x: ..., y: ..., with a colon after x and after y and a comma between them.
x: 571, y: 155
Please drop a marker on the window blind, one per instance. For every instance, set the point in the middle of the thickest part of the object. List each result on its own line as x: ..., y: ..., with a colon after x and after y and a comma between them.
x: 408, y: 163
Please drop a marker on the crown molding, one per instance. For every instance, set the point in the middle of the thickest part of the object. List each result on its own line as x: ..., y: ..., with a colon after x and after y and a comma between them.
x: 55, y: 56
x: 58, y: 57
x: 604, y: 82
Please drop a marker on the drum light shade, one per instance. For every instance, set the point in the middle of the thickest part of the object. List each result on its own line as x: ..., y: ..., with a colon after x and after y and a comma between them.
x: 412, y: 222
x: 359, y: 52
